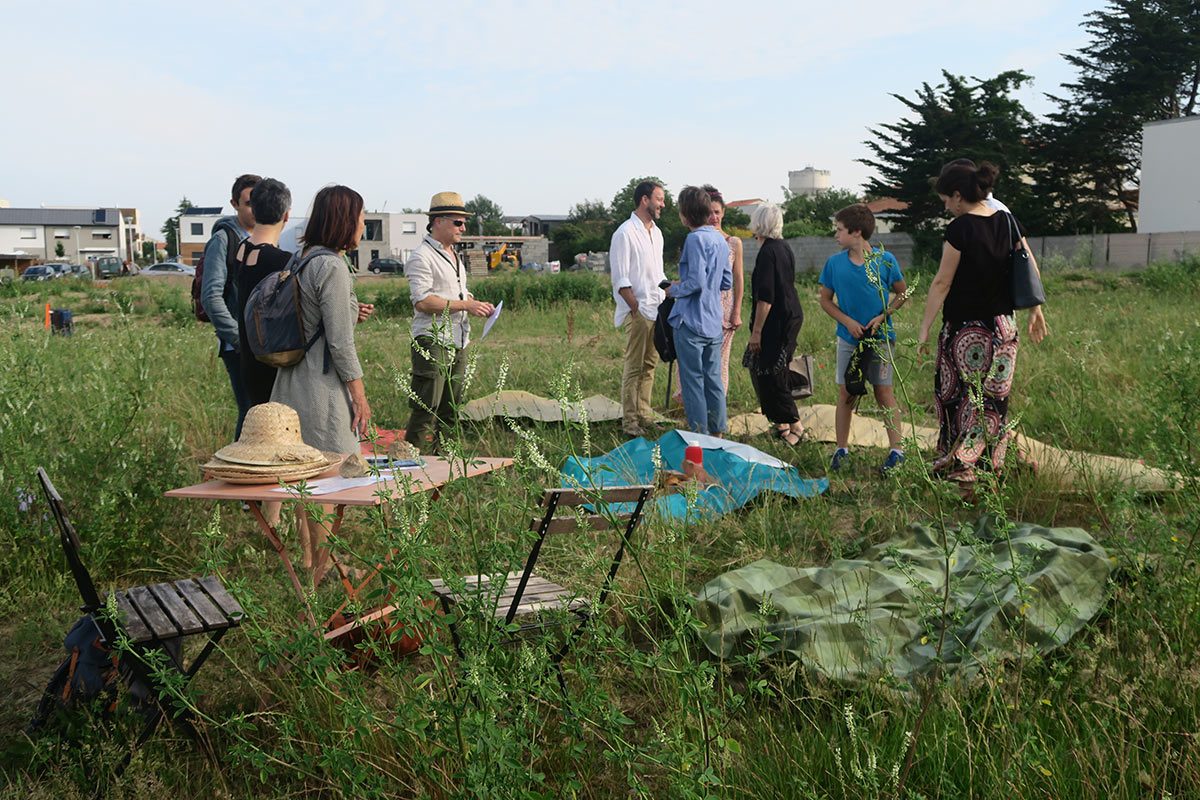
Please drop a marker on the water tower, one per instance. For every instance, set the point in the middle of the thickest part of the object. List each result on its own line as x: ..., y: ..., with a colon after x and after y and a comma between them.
x: 808, y: 181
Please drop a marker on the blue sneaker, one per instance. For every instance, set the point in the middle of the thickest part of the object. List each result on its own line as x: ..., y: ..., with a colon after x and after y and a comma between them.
x: 840, y: 457
x: 895, y: 458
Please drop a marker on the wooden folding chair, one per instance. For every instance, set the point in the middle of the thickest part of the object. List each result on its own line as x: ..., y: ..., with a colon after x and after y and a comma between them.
x: 155, y: 617
x: 524, y: 596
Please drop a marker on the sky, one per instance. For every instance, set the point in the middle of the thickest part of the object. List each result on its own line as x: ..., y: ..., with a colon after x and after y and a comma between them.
x: 537, y: 105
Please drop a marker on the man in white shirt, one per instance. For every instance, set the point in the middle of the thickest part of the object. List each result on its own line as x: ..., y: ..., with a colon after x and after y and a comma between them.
x: 636, y: 260
x: 437, y: 282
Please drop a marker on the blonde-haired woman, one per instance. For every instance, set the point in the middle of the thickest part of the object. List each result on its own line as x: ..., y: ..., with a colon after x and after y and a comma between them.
x: 775, y: 320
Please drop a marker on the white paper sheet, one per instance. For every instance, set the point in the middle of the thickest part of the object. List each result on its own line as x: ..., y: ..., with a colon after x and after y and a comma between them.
x: 491, y: 320
x: 338, y: 484
x: 751, y: 454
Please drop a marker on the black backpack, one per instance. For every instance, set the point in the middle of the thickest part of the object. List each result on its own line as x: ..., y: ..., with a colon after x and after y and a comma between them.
x: 232, y: 241
x: 87, y: 679
x: 274, y: 315
x: 664, y: 334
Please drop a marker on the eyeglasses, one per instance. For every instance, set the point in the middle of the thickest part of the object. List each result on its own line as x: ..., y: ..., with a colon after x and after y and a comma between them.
x: 458, y: 223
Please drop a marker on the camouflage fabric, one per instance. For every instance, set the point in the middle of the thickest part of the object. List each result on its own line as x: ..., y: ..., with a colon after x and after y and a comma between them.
x: 882, y: 613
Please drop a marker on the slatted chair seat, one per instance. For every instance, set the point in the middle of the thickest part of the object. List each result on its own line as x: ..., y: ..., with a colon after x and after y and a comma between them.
x: 165, y: 611
x: 539, y: 595
x: 159, y: 616
x: 525, y: 595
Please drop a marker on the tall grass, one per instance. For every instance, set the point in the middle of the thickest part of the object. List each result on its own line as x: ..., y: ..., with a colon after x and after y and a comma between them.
x: 130, y: 405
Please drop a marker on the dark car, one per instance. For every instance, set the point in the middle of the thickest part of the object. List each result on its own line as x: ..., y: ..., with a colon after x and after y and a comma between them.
x: 379, y: 265
x: 40, y: 272
x: 108, y: 267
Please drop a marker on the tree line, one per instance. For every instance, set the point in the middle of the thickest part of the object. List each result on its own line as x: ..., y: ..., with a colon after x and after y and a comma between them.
x: 1076, y: 170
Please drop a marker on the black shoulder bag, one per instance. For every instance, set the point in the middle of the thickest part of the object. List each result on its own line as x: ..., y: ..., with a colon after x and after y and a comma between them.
x: 1027, y: 288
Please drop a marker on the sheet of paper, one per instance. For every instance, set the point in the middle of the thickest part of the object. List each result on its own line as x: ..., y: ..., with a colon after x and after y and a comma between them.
x: 331, y: 485
x: 491, y: 320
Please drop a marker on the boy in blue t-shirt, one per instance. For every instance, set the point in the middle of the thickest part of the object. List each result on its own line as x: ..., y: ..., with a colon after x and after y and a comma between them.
x: 863, y: 310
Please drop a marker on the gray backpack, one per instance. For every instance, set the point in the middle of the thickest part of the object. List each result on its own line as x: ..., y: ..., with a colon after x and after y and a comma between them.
x: 274, y: 316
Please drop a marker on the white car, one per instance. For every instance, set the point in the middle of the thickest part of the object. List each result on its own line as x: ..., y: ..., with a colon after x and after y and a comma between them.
x: 169, y: 268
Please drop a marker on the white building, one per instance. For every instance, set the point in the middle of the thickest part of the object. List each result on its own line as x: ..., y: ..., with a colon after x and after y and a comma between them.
x: 809, y: 181
x: 81, y: 234
x: 386, y: 235
x: 1170, y: 199
x: 195, y: 228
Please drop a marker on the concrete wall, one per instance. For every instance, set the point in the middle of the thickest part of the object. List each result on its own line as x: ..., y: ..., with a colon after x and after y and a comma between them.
x: 1114, y: 251
x: 1170, y: 174
x: 811, y: 252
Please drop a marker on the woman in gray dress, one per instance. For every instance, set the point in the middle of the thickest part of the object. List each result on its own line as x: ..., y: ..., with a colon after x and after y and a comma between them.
x: 326, y: 388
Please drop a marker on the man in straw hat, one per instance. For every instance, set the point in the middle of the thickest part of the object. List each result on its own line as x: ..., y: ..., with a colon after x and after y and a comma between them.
x: 437, y: 280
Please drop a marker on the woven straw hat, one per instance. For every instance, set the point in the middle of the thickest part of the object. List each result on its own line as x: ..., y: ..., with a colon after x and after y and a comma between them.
x: 271, y: 438
x: 444, y: 203
x: 242, y: 473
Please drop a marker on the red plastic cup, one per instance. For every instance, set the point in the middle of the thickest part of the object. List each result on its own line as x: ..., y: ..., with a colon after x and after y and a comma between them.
x: 694, y: 453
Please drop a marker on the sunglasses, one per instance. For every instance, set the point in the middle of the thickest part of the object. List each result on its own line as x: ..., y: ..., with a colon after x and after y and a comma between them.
x: 458, y: 223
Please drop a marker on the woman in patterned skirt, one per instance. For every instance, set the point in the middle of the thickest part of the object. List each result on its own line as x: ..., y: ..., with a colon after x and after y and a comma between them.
x: 977, y: 346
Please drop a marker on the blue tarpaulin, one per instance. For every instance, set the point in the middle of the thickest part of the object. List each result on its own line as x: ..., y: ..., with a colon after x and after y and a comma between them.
x: 743, y: 472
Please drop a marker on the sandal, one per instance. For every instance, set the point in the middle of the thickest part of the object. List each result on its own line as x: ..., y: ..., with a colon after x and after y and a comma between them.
x: 788, y: 436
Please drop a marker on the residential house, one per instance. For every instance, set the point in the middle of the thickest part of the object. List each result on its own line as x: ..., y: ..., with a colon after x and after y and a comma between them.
x: 746, y: 206
x: 34, y: 234
x: 385, y: 235
x: 541, y: 224
x: 389, y: 236
x: 886, y: 211
x: 195, y: 228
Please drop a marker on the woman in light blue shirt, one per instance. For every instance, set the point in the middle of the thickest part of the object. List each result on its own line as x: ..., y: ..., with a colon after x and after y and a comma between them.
x: 697, y: 317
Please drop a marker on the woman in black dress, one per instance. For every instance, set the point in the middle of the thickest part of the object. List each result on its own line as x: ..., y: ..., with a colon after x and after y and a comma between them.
x: 977, y: 347
x: 775, y: 320
x: 259, y: 256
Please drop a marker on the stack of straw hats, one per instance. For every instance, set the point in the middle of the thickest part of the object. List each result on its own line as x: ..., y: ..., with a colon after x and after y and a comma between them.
x: 269, y: 450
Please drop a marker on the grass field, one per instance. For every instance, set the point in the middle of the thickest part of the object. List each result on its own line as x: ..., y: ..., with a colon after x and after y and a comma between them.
x: 132, y: 403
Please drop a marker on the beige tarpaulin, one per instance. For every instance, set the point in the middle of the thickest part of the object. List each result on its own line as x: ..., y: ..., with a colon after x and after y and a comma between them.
x: 1071, y: 470
x: 530, y: 406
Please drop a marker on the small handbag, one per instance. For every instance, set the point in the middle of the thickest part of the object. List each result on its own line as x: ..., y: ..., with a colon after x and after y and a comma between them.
x: 800, y: 377
x: 1027, y: 288
x: 855, y: 376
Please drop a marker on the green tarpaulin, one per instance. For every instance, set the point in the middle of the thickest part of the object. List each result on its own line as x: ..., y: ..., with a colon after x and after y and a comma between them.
x: 883, y: 613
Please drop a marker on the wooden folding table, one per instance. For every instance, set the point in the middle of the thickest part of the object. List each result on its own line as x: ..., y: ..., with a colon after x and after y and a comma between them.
x: 431, y: 477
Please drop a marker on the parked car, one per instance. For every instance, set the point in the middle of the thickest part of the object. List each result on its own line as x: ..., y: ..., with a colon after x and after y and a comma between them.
x: 169, y: 268
x: 379, y: 265
x: 40, y: 272
x: 73, y: 271
x: 108, y: 267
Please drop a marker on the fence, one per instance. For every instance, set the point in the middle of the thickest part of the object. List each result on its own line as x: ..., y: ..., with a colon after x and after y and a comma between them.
x: 812, y: 251
x: 1115, y: 251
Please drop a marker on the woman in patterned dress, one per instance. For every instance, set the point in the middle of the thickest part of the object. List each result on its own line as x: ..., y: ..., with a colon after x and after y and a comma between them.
x: 977, y: 346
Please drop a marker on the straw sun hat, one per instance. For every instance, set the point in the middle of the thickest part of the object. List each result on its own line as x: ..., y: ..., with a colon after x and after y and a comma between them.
x: 444, y: 203
x: 270, y: 449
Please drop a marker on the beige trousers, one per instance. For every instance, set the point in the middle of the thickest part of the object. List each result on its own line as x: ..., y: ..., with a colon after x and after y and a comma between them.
x: 637, y: 380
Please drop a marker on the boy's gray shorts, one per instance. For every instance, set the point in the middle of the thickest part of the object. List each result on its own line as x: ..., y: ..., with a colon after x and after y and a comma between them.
x: 878, y: 374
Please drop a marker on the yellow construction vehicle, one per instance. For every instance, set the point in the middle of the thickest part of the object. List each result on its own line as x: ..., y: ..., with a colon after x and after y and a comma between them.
x: 499, y: 256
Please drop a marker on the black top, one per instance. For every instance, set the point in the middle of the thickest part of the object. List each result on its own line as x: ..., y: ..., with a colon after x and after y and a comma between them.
x: 774, y: 281
x: 270, y: 259
x: 257, y: 377
x: 982, y: 285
